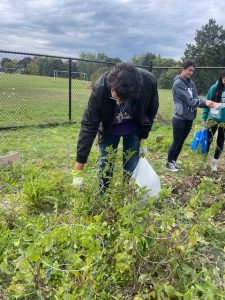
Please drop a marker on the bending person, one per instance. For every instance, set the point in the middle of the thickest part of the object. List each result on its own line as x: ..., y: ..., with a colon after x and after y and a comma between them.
x: 123, y: 103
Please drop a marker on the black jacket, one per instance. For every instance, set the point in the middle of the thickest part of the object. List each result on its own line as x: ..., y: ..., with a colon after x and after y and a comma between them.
x: 100, y: 113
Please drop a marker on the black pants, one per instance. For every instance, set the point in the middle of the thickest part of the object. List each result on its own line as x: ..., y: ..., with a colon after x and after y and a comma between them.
x: 181, y: 129
x: 219, y: 141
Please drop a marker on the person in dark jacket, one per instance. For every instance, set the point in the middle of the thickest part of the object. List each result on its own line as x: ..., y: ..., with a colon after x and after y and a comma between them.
x: 186, y: 101
x: 123, y: 103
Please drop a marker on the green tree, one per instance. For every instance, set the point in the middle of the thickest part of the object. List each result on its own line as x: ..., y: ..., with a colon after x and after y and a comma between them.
x: 24, y: 62
x: 45, y: 66
x: 209, y: 46
x: 164, y: 74
x: 143, y: 59
x: 94, y: 69
x: 22, y: 65
x: 32, y: 68
x: 208, y: 49
x: 5, y: 61
x: 165, y: 80
x: 9, y: 65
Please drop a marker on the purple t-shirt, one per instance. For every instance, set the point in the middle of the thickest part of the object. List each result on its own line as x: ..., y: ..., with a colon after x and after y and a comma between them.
x: 124, y: 123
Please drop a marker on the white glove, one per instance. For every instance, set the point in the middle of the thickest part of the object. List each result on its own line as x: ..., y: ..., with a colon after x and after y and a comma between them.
x: 78, y: 179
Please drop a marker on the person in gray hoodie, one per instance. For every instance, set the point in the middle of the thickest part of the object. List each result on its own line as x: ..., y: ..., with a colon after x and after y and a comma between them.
x: 186, y: 101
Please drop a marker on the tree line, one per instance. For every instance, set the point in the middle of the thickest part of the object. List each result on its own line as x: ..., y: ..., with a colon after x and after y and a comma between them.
x: 208, y: 49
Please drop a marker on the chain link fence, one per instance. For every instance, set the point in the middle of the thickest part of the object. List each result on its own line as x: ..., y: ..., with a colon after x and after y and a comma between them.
x: 43, y: 89
x: 38, y: 89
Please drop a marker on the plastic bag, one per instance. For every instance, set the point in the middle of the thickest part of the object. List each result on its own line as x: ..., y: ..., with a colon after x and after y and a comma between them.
x: 145, y: 177
x: 204, y: 141
x: 200, y: 141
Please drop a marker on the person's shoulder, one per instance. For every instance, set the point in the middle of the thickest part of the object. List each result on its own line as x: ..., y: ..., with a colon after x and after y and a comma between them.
x: 178, y: 81
x: 211, y: 91
x: 146, y: 74
x: 214, y: 86
x: 101, y: 81
x: 100, y: 88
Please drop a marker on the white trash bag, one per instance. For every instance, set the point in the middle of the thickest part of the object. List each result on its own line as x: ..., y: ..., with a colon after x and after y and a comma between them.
x: 145, y: 177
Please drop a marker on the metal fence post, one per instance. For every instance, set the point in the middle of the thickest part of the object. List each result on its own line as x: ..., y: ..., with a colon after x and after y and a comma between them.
x: 150, y: 65
x: 70, y: 89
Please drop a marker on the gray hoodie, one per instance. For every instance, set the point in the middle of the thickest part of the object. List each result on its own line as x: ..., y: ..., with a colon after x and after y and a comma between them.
x: 185, y: 98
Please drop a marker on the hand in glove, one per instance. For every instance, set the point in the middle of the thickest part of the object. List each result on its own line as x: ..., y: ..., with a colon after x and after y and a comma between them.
x: 143, y: 147
x: 78, y: 179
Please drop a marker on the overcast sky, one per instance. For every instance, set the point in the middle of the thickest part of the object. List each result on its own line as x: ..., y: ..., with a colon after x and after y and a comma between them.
x: 118, y: 28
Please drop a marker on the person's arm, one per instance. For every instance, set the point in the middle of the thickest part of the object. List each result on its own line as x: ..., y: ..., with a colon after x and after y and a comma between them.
x: 186, y: 97
x: 150, y: 112
x: 183, y: 94
x: 88, y: 131
x: 79, y: 166
x: 209, y: 96
x: 154, y: 103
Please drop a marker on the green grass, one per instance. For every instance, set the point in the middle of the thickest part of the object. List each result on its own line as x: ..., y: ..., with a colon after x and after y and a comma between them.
x: 171, y: 249
x: 29, y: 100
x: 166, y: 106
x: 33, y: 100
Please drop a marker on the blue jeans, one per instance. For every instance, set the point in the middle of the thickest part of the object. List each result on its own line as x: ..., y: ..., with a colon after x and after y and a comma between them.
x: 108, y: 149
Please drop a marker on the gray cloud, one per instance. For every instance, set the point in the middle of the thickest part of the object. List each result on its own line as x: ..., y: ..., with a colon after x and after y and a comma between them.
x: 119, y: 28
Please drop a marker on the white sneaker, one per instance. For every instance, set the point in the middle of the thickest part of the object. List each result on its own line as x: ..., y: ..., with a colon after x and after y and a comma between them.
x: 214, y: 165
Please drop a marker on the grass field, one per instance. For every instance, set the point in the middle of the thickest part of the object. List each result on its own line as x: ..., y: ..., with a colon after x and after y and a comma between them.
x: 29, y: 100
x: 60, y: 243
x: 26, y: 100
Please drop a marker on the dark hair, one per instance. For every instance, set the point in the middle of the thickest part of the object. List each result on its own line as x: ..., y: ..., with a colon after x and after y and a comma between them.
x: 188, y: 63
x: 218, y: 91
x: 126, y: 80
